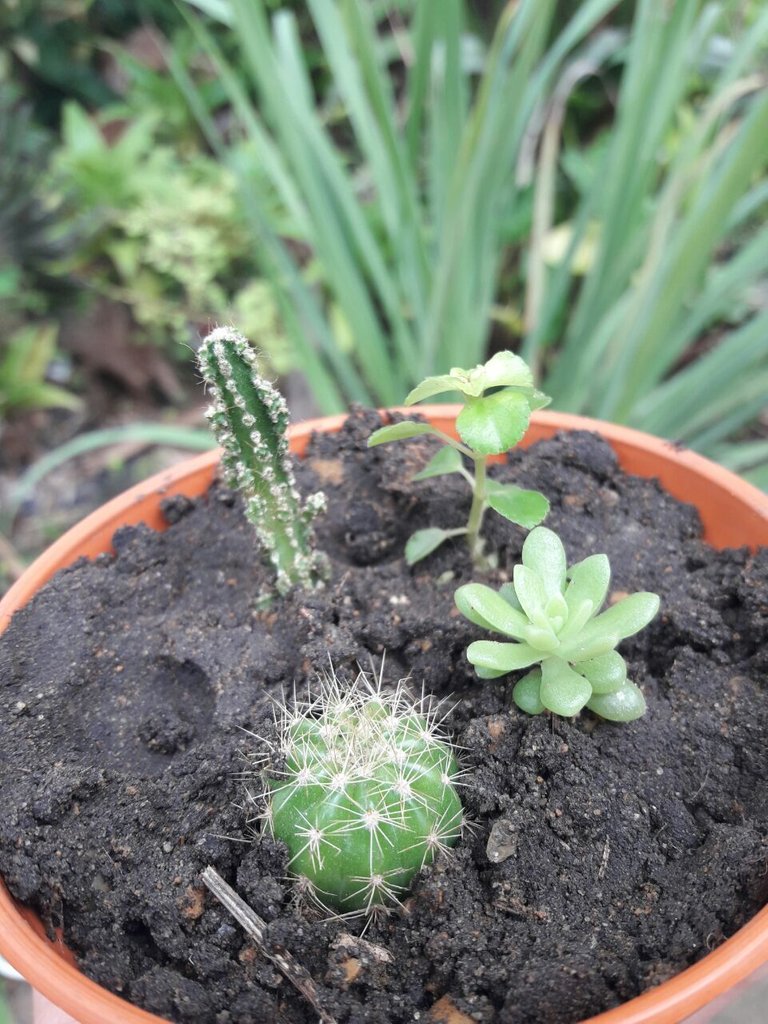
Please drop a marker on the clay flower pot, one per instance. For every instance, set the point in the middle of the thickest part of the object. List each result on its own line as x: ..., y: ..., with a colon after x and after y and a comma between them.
x: 733, y: 514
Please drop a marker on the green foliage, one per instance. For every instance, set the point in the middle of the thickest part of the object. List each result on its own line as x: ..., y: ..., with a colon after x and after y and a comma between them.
x: 60, y: 44
x: 54, y: 43
x: 499, y: 397
x: 662, y: 247
x: 366, y: 795
x: 402, y: 216
x: 34, y: 236
x: 552, y: 613
x: 466, y: 196
x: 249, y: 418
x: 24, y: 360
x: 162, y: 234
x: 33, y: 231
x: 188, y: 438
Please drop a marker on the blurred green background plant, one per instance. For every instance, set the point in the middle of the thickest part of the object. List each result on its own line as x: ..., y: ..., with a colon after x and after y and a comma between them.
x: 377, y: 192
x: 460, y: 198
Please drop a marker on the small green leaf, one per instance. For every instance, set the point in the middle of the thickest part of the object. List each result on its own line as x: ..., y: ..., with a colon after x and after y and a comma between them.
x: 538, y: 400
x: 544, y: 554
x: 486, y: 608
x: 398, y: 432
x: 625, y: 705
x: 627, y: 617
x: 501, y: 657
x: 562, y: 690
x: 432, y: 386
x: 527, y: 693
x: 495, y: 423
x: 557, y: 610
x: 447, y: 460
x: 424, y: 542
x: 526, y: 508
x: 578, y: 617
x: 605, y: 673
x: 502, y: 370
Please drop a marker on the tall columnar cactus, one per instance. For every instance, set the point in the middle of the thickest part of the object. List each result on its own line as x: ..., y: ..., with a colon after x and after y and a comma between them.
x: 366, y: 794
x: 249, y: 418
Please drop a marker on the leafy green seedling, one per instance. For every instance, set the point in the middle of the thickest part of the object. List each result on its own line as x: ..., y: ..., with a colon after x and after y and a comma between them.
x: 365, y: 796
x: 499, y: 397
x: 552, y: 613
x: 249, y: 418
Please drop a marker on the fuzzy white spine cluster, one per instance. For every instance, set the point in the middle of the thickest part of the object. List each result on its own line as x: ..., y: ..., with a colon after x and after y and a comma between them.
x: 249, y: 418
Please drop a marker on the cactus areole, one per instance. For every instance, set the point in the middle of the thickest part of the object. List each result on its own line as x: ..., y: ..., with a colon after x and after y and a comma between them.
x: 250, y: 418
x: 366, y: 796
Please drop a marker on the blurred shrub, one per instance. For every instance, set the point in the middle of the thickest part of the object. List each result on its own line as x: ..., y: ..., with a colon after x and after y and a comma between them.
x: 161, y: 233
x: 34, y: 238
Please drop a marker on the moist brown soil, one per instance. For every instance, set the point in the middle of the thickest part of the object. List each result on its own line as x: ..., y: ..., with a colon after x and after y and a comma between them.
x: 132, y: 685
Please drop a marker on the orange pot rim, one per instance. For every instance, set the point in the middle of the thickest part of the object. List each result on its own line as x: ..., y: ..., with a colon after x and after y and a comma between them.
x: 50, y: 968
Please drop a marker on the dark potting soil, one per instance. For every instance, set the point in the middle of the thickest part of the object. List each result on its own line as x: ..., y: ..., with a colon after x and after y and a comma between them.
x: 604, y: 858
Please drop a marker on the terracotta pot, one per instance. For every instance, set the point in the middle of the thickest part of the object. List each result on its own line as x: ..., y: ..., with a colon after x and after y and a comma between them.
x: 733, y: 513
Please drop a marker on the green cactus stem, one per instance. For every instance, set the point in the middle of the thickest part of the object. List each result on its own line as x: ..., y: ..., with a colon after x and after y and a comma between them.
x: 365, y: 797
x: 250, y: 418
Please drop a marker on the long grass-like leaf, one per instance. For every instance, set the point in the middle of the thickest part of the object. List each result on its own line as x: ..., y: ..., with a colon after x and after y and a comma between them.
x: 149, y: 433
x: 398, y: 225
x: 584, y: 65
x: 711, y: 385
x: 307, y: 325
x: 654, y: 79
x: 683, y: 267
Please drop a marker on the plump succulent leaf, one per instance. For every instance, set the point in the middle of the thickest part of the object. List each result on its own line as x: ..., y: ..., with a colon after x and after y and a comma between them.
x: 489, y: 673
x: 494, y: 423
x: 507, y: 591
x: 562, y: 690
x: 626, y: 617
x: 443, y: 462
x: 588, y: 581
x: 586, y: 646
x: 544, y: 554
x: 624, y: 705
x: 525, y: 508
x: 527, y: 693
x: 500, y: 657
x: 531, y: 594
x: 487, y: 608
x: 543, y: 638
x: 606, y: 673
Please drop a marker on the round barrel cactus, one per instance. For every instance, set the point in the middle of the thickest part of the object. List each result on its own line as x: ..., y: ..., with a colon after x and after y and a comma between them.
x: 366, y: 795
